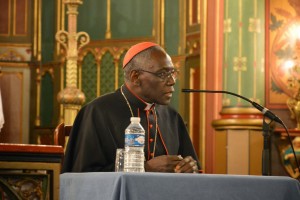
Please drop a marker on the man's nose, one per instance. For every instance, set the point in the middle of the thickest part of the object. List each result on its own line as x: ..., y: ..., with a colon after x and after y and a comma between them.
x: 171, y: 80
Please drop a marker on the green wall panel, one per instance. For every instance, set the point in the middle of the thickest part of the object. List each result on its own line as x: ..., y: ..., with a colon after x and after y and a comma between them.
x: 46, y: 112
x: 172, y: 26
x: 48, y: 30
x: 131, y: 18
x: 107, y: 74
x: 92, y: 18
x: 172, y: 39
x: 243, y: 40
x: 89, y: 77
x: 175, y: 99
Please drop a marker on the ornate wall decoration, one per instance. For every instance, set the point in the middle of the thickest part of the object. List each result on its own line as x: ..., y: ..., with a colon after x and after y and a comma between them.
x: 284, y: 27
x: 11, y: 55
x: 100, y: 67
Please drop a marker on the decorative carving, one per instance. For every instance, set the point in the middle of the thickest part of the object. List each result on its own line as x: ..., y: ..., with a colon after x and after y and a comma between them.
x: 11, y: 55
x: 83, y: 39
x: 193, y: 44
x: 227, y: 25
x: 240, y: 63
x: 62, y: 38
x: 23, y: 186
x: 254, y: 25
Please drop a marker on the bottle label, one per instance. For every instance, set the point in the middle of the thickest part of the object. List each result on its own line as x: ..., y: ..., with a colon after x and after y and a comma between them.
x: 136, y: 140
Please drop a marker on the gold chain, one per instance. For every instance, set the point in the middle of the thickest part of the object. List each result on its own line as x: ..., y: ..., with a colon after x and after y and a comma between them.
x: 126, y: 101
x: 156, y: 123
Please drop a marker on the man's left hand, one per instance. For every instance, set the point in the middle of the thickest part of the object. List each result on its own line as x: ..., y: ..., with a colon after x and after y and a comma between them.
x: 187, y: 165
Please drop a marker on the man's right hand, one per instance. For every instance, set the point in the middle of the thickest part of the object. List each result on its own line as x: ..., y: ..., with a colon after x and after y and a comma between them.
x: 165, y: 163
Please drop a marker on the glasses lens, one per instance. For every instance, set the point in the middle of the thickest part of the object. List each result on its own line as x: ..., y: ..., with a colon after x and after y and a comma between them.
x: 173, y: 73
x: 165, y: 75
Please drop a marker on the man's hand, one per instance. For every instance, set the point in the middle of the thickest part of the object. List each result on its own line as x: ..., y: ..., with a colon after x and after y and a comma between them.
x: 165, y: 163
x: 187, y: 165
x: 168, y: 163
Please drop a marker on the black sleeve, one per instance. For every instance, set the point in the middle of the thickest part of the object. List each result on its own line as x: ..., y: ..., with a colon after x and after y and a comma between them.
x: 186, y: 147
x: 91, y: 147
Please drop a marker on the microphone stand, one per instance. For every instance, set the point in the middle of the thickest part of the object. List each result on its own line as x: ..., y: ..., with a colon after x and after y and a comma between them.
x: 266, y: 155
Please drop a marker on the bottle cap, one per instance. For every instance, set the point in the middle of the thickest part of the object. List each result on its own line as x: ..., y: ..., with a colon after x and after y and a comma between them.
x: 135, y: 119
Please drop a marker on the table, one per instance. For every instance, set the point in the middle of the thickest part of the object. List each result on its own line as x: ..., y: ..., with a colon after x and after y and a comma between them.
x: 137, y: 186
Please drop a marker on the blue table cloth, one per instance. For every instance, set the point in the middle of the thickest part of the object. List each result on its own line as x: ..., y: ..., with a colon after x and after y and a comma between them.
x: 156, y: 186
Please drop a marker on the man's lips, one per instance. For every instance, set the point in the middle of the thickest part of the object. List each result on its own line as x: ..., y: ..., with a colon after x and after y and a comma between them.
x: 169, y: 93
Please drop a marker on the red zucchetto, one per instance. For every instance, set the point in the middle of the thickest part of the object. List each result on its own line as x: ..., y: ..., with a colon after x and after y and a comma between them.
x: 135, y: 49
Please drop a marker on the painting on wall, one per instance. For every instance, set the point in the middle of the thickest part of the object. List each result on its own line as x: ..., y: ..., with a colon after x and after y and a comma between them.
x: 283, y: 52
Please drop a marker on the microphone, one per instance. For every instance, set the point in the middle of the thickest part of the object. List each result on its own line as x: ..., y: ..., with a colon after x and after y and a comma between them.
x: 266, y: 112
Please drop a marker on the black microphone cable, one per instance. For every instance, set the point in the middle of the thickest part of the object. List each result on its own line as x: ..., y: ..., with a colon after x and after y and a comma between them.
x: 264, y: 110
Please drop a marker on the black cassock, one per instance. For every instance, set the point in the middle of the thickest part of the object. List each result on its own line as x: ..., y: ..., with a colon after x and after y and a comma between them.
x: 99, y: 129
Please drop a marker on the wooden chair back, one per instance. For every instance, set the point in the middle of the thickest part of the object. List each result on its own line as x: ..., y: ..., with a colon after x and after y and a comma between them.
x: 61, y: 134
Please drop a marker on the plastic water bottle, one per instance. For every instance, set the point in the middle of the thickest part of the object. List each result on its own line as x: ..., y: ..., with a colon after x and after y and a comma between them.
x: 134, y: 146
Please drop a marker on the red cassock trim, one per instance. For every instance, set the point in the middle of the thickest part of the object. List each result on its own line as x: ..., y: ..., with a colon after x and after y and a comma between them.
x: 162, y: 140
x: 148, y: 139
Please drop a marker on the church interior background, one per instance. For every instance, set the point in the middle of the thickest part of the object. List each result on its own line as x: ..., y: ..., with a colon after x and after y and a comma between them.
x: 48, y: 47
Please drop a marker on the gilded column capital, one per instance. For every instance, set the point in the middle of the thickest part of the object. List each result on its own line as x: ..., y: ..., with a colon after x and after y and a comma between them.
x: 71, y: 95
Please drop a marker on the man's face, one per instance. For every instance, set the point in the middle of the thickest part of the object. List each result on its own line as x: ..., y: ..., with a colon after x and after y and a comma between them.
x: 156, y: 80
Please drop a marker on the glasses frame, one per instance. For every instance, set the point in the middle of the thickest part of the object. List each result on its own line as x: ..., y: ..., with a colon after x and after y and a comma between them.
x: 168, y: 74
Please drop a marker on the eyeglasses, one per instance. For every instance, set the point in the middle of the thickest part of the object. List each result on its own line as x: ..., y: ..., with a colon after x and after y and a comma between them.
x: 164, y: 75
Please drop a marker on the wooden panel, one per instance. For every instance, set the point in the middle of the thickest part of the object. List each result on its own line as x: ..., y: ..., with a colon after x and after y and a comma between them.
x: 20, y: 16
x: 238, y: 152
x: 255, y: 156
x: 193, y: 15
x: 12, y: 93
x: 15, y: 92
x: 220, y: 166
x: 4, y: 17
x: 195, y: 7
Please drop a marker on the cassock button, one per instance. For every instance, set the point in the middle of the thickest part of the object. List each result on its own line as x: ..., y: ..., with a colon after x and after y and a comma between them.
x: 151, y: 140
x: 151, y: 125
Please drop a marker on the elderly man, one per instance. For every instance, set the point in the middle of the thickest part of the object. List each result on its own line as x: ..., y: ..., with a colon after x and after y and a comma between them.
x: 99, y: 127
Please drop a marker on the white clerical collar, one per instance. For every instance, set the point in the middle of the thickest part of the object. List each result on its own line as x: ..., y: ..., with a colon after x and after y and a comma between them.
x: 148, y: 106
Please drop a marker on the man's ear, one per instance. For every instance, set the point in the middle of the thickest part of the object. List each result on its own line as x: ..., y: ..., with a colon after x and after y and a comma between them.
x: 134, y: 77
